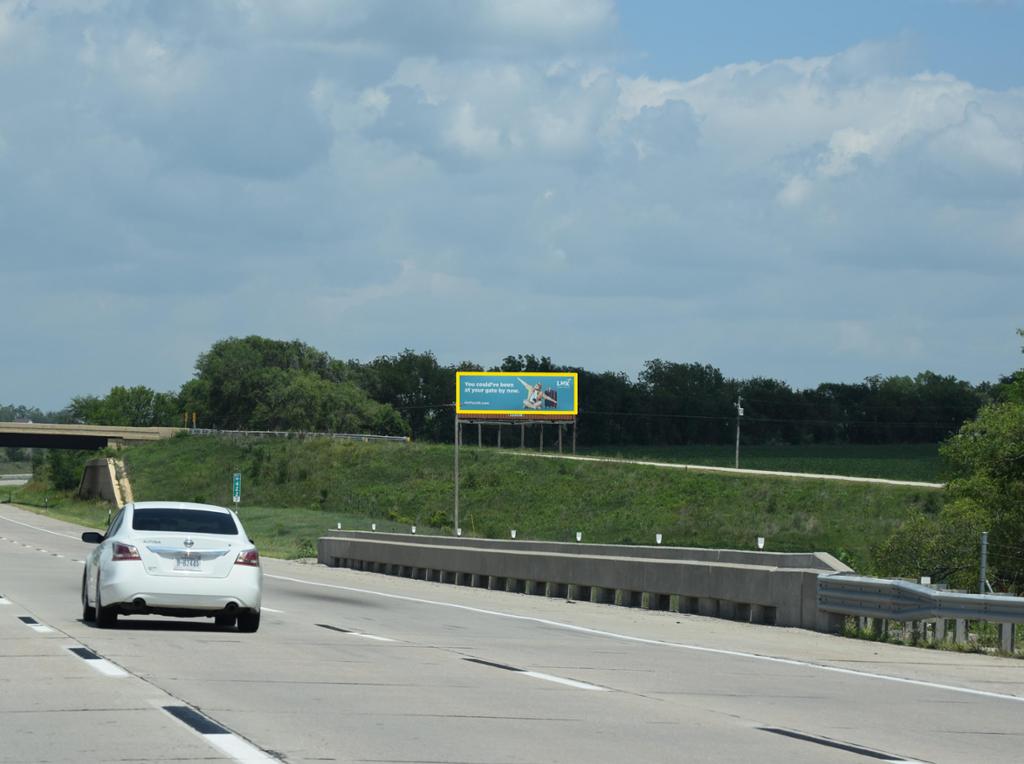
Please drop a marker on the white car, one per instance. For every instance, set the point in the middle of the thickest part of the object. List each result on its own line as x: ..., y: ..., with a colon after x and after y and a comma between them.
x: 173, y: 558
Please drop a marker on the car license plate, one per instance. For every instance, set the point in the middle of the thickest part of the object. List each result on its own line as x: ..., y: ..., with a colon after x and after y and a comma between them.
x: 187, y: 563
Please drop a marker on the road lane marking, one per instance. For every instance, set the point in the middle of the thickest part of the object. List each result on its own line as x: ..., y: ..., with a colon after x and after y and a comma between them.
x: 271, y: 610
x: 218, y: 736
x: 4, y: 600
x: 354, y: 633
x: 94, y: 661
x: 33, y: 624
x: 37, y: 528
x: 665, y: 643
x: 538, y: 675
x: 830, y: 743
x: 562, y: 680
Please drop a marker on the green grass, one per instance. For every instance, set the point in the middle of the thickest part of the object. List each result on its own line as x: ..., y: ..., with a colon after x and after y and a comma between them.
x: 918, y: 462
x: 15, y: 468
x: 293, y: 490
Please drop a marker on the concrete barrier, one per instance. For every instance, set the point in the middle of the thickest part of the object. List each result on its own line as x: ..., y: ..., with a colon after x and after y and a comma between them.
x: 758, y: 587
x: 100, y: 479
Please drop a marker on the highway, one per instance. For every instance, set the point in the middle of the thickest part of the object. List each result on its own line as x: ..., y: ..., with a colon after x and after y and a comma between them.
x: 359, y: 667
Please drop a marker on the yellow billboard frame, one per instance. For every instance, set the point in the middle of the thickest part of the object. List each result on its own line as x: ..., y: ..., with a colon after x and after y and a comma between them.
x: 525, y: 413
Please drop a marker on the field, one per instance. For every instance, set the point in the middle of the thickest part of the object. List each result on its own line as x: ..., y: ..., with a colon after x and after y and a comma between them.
x: 293, y: 490
x: 15, y: 468
x: 917, y: 462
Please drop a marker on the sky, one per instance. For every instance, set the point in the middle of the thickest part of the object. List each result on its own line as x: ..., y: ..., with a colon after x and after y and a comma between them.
x: 813, y: 192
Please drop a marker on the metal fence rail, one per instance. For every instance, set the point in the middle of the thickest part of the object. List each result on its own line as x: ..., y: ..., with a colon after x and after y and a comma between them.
x: 905, y: 601
x: 885, y: 600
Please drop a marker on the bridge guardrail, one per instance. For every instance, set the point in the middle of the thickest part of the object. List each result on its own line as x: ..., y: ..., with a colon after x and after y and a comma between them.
x: 885, y: 599
x: 746, y: 586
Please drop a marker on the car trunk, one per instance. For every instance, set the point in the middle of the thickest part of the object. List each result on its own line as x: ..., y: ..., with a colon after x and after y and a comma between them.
x: 183, y: 554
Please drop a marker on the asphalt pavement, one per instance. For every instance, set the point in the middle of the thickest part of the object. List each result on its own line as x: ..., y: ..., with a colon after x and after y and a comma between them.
x: 360, y: 667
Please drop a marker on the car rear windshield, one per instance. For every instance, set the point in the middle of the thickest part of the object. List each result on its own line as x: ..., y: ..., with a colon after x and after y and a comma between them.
x: 184, y: 521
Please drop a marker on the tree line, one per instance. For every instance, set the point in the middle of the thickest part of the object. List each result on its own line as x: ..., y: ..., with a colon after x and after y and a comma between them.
x: 255, y: 383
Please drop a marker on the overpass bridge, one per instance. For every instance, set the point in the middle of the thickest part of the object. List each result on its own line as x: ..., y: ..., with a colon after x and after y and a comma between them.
x: 88, y: 437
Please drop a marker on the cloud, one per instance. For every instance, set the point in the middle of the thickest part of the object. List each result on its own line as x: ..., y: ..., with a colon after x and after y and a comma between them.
x: 370, y: 176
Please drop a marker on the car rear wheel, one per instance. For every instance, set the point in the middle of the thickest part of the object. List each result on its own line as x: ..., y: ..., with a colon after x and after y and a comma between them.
x: 224, y: 620
x: 88, y: 612
x: 106, y: 617
x: 249, y: 622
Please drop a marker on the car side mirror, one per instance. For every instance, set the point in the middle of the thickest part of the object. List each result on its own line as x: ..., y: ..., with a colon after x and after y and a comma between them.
x: 92, y: 537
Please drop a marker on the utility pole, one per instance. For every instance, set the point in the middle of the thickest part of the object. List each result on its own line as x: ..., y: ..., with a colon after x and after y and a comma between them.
x: 739, y: 413
x: 983, y: 575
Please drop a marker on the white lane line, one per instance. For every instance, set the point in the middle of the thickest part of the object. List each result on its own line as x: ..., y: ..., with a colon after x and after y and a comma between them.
x: 94, y: 661
x: 37, y: 528
x: 664, y: 643
x: 238, y: 749
x: 219, y: 737
x: 33, y: 624
x: 270, y: 609
x: 561, y: 680
x: 370, y: 636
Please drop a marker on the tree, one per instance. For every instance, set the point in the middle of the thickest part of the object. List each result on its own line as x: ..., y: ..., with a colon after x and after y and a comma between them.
x: 254, y: 383
x: 127, y: 406
x: 985, y: 494
x: 988, y: 458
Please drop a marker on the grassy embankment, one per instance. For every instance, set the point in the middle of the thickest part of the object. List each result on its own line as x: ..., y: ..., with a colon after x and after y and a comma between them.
x: 15, y: 468
x: 293, y: 490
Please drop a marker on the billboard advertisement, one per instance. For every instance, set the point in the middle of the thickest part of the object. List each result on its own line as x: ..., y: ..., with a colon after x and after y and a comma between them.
x: 517, y: 393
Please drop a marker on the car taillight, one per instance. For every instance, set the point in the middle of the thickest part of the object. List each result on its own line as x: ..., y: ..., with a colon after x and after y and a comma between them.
x: 125, y: 552
x: 248, y: 557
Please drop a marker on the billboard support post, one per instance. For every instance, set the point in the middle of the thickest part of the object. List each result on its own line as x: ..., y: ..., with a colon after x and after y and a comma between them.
x: 457, y: 439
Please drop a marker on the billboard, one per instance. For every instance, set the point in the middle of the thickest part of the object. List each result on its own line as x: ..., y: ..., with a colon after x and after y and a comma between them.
x: 517, y: 393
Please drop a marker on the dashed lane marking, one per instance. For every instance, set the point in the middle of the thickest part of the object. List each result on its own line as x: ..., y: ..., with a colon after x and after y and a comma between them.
x: 94, y: 661
x: 837, y: 744
x: 219, y: 737
x: 664, y: 643
x: 539, y: 675
x: 33, y: 624
x: 354, y: 633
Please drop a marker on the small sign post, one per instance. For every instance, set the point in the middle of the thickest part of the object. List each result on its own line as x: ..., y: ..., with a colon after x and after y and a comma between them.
x: 236, y: 488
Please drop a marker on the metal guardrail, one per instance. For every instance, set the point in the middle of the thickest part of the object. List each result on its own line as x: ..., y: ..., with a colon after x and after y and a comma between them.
x: 905, y: 601
x: 300, y: 435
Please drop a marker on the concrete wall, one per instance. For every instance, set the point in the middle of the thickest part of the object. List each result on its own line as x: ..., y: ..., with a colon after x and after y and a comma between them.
x: 100, y: 479
x: 748, y: 586
x: 813, y: 560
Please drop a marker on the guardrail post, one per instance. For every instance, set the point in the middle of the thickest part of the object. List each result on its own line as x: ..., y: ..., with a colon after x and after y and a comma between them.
x: 879, y: 628
x: 1006, y: 637
x: 961, y: 631
x: 940, y: 630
